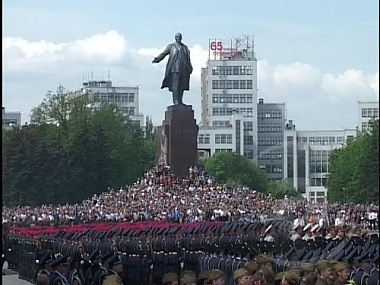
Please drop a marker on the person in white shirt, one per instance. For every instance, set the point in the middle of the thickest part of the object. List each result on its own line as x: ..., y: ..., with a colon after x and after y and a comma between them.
x: 339, y: 220
x: 298, y: 233
x: 300, y: 220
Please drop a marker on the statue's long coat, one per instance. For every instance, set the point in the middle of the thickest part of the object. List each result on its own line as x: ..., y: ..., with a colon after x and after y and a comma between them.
x: 185, y: 66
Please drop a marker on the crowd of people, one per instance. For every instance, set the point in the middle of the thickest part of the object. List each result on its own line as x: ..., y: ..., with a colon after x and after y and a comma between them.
x: 160, y: 196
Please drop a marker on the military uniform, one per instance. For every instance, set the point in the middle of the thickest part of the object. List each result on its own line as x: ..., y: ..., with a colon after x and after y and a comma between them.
x: 75, y: 278
x: 374, y: 277
x: 321, y: 282
x: 57, y: 278
x: 361, y: 277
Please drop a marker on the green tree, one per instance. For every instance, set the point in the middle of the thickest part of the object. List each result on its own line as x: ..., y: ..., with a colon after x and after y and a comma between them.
x: 150, y: 132
x: 232, y: 168
x: 354, y: 170
x: 281, y: 188
x: 71, y: 151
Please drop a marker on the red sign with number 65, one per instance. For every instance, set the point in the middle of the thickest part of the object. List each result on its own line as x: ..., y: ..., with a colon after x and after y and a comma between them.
x: 216, y: 46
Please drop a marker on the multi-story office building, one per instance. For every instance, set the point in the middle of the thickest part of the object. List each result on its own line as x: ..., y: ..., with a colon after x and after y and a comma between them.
x: 270, y: 133
x: 367, y: 111
x: 125, y: 98
x: 306, y: 157
x: 233, y: 137
x: 11, y: 119
x: 229, y: 98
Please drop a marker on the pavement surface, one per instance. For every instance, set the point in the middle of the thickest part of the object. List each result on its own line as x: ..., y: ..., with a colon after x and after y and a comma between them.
x: 10, y: 277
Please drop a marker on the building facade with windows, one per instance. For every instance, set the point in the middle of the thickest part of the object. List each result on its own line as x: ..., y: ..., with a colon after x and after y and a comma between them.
x: 11, y: 119
x: 229, y: 99
x: 306, y: 158
x: 367, y: 111
x: 126, y: 99
x: 270, y: 133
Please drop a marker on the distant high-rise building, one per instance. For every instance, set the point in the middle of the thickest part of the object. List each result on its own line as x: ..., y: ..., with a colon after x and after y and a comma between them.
x: 229, y: 98
x: 270, y: 133
x: 126, y: 99
x: 11, y: 119
x: 367, y: 111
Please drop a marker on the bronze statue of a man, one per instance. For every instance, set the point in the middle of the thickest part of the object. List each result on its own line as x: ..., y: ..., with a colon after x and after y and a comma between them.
x: 178, y: 68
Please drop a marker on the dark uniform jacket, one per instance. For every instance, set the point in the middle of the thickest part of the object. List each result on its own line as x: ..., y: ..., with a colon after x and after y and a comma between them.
x: 75, y: 277
x: 374, y: 277
x: 99, y: 276
x: 360, y: 277
x: 57, y: 278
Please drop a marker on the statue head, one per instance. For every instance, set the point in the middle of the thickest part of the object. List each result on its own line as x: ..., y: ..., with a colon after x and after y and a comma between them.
x: 178, y: 37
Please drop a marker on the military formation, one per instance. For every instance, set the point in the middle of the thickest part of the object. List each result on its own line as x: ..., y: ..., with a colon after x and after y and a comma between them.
x: 232, y: 252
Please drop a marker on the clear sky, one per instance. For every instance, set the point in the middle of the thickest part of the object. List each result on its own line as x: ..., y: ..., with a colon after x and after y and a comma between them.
x: 319, y: 57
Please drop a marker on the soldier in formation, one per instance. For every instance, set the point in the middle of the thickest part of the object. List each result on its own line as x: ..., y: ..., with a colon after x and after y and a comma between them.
x: 212, y: 251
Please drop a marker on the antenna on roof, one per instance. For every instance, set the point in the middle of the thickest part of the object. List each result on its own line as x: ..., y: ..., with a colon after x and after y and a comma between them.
x: 109, y: 75
x: 92, y: 76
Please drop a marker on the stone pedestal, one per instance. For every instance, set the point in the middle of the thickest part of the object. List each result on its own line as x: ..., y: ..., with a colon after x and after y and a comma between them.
x: 177, y: 140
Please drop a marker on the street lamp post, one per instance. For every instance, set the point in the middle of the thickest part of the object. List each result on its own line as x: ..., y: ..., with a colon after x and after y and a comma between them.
x: 344, y: 193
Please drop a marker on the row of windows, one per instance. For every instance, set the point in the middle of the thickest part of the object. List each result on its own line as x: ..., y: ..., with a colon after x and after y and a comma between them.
x: 10, y: 122
x: 272, y: 168
x: 319, y: 167
x: 223, y: 150
x: 322, y: 140
x: 318, y: 140
x: 219, y: 138
x: 272, y: 155
x: 232, y: 84
x: 270, y: 128
x: 319, y: 153
x: 248, y: 126
x: 220, y: 124
x: 223, y: 138
x: 204, y: 138
x: 224, y: 111
x: 319, y: 193
x: 248, y: 153
x: 270, y: 141
x: 317, y: 182
x: 232, y: 70
x: 248, y: 140
x: 115, y: 97
x: 370, y: 112
x: 126, y: 110
x: 269, y: 114
x: 232, y: 98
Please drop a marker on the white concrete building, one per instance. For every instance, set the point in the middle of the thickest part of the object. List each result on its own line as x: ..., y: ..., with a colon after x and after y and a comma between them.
x: 11, y: 120
x: 367, y: 111
x: 229, y: 98
x: 306, y: 156
x: 125, y: 98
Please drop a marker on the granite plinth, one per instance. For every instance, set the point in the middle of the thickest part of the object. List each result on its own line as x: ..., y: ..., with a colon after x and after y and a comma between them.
x: 177, y: 140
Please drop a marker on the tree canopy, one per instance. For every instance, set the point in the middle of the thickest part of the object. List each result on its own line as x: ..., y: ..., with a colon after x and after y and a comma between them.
x: 71, y: 151
x: 354, y: 170
x: 232, y: 168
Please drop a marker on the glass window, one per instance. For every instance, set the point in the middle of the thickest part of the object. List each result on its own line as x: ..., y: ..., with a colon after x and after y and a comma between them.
x: 249, y: 84
x: 236, y: 70
x: 243, y: 84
